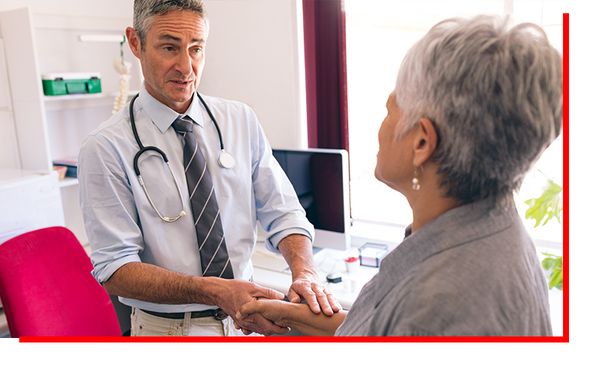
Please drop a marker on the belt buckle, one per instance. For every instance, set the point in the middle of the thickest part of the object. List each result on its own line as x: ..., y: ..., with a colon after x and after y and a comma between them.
x: 220, y: 314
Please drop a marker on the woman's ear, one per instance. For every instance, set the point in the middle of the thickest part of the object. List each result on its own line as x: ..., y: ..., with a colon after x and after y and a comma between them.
x: 425, y: 142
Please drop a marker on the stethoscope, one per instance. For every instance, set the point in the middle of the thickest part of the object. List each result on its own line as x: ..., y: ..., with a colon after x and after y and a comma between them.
x: 225, y: 159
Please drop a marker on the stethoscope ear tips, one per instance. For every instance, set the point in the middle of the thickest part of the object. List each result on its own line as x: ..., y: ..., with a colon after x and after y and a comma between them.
x: 226, y: 160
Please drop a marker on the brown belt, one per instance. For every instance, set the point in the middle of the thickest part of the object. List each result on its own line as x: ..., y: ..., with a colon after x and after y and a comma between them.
x: 218, y: 314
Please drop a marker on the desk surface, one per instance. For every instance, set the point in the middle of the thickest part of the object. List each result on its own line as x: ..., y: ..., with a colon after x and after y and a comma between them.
x: 327, y: 262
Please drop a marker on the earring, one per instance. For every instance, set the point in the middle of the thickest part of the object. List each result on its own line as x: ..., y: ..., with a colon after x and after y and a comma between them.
x: 415, y: 180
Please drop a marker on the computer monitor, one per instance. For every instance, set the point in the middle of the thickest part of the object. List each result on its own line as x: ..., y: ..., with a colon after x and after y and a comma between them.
x: 321, y: 180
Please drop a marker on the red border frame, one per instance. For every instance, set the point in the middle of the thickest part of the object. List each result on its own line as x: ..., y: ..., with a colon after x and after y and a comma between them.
x: 301, y: 339
x: 566, y: 177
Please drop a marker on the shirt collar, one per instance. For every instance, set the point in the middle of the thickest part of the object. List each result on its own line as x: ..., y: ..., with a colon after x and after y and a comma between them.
x: 453, y: 228
x: 163, y: 116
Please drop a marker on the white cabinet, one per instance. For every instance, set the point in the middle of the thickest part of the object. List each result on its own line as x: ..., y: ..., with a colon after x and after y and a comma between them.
x: 41, y: 128
x: 25, y: 89
x: 28, y: 201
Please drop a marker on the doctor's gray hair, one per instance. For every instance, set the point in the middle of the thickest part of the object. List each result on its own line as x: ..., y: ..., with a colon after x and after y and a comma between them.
x: 495, y: 96
x: 145, y: 10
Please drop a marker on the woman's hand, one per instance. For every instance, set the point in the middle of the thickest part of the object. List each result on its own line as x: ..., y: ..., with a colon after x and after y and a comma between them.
x: 298, y: 316
x: 237, y: 293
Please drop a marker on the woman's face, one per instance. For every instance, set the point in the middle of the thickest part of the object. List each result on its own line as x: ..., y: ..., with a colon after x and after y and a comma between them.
x: 394, y: 159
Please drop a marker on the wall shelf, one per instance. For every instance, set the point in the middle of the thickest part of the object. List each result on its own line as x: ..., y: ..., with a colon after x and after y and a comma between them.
x: 58, y: 98
x: 75, y: 101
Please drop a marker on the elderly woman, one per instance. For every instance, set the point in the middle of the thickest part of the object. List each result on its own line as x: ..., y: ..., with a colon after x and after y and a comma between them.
x: 475, y: 104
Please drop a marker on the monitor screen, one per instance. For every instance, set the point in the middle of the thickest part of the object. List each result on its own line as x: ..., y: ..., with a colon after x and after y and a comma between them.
x: 321, y: 181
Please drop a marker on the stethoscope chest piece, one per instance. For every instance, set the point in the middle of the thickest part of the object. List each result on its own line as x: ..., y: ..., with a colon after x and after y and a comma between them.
x: 226, y: 160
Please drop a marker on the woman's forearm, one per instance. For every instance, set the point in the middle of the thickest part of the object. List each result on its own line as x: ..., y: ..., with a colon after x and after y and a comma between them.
x: 297, y: 316
x: 307, y: 322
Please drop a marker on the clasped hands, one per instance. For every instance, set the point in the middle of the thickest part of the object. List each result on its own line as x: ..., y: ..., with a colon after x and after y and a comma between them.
x: 252, y: 316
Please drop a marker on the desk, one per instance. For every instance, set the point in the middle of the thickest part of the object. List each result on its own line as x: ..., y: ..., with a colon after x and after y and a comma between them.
x: 327, y: 261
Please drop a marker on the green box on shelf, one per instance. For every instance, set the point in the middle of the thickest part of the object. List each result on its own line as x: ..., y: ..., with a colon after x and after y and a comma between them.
x: 71, y: 83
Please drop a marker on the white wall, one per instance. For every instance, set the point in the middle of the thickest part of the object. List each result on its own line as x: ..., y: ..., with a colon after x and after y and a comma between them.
x: 253, y: 56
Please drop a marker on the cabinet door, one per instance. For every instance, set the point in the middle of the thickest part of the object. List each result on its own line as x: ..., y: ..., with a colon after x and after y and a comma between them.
x: 9, y: 152
x: 26, y: 92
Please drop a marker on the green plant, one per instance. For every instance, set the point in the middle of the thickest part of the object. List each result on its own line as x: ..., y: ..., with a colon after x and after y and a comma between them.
x: 554, y: 263
x: 548, y: 206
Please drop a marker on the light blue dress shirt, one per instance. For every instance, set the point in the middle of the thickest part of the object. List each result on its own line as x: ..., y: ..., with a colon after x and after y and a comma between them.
x: 123, y: 227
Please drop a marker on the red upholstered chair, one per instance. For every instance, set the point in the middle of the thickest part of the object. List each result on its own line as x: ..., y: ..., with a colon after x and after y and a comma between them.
x: 47, y: 289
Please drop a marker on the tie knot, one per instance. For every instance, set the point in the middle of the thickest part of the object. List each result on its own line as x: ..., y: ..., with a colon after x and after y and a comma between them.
x: 183, y: 124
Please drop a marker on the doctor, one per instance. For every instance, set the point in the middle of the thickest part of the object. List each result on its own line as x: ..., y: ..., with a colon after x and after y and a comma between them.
x: 153, y: 263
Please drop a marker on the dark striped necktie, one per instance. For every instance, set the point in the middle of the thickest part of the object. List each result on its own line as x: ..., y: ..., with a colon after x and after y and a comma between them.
x: 205, y: 209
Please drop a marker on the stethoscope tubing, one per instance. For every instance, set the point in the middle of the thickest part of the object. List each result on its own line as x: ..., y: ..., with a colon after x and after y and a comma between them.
x: 137, y: 137
x: 225, y: 159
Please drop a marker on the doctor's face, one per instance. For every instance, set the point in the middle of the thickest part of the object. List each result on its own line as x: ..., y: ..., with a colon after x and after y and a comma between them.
x: 172, y: 58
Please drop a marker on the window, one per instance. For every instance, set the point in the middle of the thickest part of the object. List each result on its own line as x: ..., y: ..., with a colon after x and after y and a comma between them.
x: 378, y: 34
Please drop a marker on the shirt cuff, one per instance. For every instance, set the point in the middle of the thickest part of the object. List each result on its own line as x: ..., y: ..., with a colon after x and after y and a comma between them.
x: 272, y: 242
x: 104, y: 272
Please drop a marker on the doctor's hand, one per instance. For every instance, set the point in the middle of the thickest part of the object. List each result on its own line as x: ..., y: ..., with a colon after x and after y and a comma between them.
x: 297, y: 251
x: 276, y: 311
x: 237, y: 293
x: 307, y: 287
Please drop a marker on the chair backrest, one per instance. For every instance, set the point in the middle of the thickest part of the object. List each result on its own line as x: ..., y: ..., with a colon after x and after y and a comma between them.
x: 47, y: 289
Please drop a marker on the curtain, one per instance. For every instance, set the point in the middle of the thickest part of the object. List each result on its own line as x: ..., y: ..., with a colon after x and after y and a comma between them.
x: 326, y: 82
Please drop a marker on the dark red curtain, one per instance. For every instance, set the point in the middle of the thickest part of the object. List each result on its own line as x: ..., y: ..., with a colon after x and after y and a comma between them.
x: 326, y: 82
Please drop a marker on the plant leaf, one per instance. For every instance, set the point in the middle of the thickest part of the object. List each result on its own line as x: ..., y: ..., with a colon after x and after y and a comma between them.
x: 547, y: 206
x: 548, y: 263
x: 554, y: 263
x: 556, y: 279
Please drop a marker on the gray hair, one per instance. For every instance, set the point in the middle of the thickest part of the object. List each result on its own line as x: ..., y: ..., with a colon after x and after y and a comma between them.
x: 494, y: 95
x: 145, y: 10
